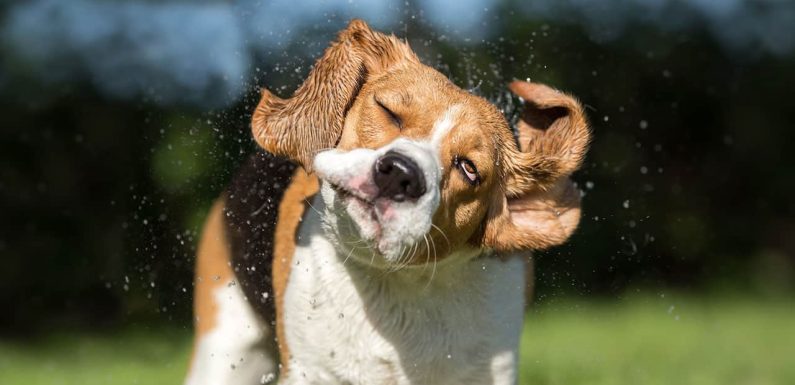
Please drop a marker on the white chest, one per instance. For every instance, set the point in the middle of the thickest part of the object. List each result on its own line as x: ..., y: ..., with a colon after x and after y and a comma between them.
x: 349, y: 324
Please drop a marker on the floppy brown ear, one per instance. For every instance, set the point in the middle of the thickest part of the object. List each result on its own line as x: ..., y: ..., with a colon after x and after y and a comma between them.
x: 540, y: 206
x: 312, y: 119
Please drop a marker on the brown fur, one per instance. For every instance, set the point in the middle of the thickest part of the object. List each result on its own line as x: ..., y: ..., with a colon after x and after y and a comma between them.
x: 212, y: 271
x: 312, y: 119
x: 541, y: 206
x: 212, y: 268
x: 524, y: 200
x: 291, y: 209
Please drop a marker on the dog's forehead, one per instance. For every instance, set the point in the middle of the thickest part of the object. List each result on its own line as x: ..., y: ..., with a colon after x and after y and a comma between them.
x: 430, y: 96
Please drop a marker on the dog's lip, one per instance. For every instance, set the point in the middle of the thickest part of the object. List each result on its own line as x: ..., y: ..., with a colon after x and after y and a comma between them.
x: 367, y: 203
x: 347, y: 192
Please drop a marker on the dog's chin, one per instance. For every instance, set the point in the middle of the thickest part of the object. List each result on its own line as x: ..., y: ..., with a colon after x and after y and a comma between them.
x: 362, y: 213
x: 362, y: 233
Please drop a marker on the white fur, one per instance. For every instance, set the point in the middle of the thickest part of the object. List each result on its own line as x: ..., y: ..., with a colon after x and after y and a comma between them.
x: 400, y: 224
x: 351, y: 317
x: 351, y: 323
x: 443, y: 126
x: 355, y: 313
x: 238, y: 349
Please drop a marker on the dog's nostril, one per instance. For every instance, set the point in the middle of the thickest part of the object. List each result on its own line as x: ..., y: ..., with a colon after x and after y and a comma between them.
x: 398, y: 177
x: 384, y: 167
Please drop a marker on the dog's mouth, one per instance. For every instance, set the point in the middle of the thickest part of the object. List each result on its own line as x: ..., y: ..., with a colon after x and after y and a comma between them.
x: 362, y: 210
x: 344, y: 194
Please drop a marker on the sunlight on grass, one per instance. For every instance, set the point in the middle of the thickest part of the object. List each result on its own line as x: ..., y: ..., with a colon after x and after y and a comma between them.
x: 133, y: 357
x: 660, y: 341
x: 636, y: 341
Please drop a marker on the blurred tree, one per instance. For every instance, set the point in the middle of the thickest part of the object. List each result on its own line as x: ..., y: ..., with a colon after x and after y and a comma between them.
x: 687, y: 184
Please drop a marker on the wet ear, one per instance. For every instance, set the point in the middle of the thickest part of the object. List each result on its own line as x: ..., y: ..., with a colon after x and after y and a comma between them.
x: 540, y: 206
x: 537, y: 220
x: 312, y: 119
x: 553, y: 137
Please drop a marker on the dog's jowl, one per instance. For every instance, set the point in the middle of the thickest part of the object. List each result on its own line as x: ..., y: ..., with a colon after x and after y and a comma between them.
x: 382, y: 235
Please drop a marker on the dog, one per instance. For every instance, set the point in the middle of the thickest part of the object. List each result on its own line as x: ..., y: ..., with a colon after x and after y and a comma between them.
x: 383, y: 235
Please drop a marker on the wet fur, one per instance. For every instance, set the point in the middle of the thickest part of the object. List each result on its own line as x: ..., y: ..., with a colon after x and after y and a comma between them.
x: 396, y: 301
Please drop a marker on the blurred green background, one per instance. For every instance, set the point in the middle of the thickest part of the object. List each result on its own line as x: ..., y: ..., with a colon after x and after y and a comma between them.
x: 122, y: 120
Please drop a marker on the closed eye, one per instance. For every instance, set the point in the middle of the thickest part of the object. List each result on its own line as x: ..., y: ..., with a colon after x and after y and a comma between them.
x: 467, y: 169
x: 392, y: 116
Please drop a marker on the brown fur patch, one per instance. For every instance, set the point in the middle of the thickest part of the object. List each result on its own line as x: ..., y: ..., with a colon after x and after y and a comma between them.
x: 369, y: 89
x: 213, y: 270
x: 408, y: 102
x: 312, y: 119
x: 291, y: 211
x: 540, y: 206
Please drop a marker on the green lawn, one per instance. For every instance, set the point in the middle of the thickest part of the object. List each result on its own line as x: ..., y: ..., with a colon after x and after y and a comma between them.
x: 637, y: 341
x: 661, y: 341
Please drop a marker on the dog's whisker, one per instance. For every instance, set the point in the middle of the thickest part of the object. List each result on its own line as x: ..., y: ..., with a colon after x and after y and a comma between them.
x: 351, y: 230
x: 405, y: 251
x: 443, y: 234
x: 427, y: 251
x: 372, y: 257
x: 309, y: 203
x: 349, y: 255
x: 433, y: 270
x: 399, y: 261
x: 411, y: 255
x: 396, y: 267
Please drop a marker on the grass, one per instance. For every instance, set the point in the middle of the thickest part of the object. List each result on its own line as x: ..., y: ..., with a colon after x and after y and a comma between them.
x: 123, y: 358
x: 634, y: 341
x: 661, y: 341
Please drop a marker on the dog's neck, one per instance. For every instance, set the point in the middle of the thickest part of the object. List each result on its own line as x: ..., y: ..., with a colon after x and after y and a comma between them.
x: 456, y: 324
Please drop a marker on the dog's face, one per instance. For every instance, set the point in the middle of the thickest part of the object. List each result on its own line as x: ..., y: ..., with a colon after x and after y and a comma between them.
x: 415, y: 169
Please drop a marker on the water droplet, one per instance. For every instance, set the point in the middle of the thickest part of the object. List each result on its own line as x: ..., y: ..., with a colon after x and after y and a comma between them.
x: 266, y: 378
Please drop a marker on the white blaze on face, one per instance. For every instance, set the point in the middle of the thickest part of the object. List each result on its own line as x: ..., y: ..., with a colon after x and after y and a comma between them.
x: 444, y: 125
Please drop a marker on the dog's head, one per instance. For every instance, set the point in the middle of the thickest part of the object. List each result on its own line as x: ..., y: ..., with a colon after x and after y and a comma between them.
x: 415, y: 169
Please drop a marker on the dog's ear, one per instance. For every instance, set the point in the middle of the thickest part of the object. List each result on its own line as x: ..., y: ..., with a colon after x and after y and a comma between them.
x: 540, y: 206
x: 312, y: 119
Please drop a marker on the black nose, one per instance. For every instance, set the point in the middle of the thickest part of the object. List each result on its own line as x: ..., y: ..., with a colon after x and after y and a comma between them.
x: 398, y: 177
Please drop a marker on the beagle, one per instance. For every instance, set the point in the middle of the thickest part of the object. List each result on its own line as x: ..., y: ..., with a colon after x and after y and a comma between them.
x: 383, y: 235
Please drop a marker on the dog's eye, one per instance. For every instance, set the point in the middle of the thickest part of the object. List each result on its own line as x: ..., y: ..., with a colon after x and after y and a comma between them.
x: 468, y: 169
x: 395, y: 119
